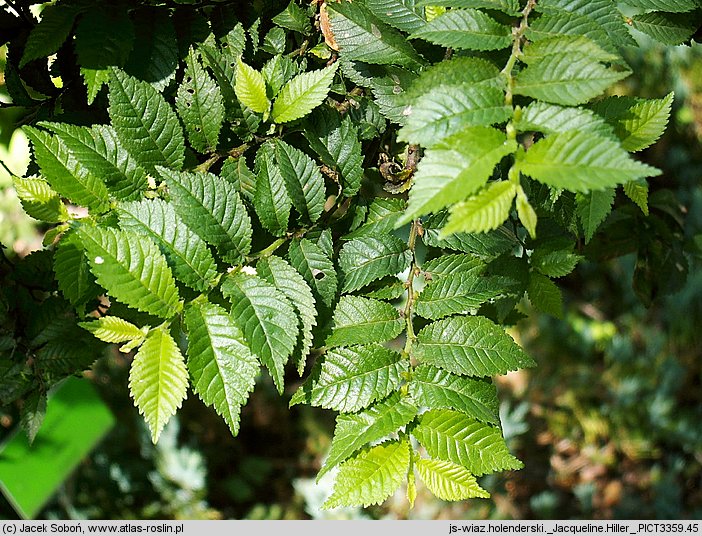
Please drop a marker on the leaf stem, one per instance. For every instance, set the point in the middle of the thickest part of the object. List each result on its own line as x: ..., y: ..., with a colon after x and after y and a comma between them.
x: 266, y: 252
x: 517, y: 36
x: 408, y: 312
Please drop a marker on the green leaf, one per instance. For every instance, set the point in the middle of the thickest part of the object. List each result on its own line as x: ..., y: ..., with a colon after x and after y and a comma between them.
x: 278, y: 71
x: 32, y: 414
x: 470, y: 345
x: 484, y: 211
x: 316, y: 267
x: 555, y: 258
x: 637, y: 191
x: 158, y: 380
x: 570, y: 78
x: 145, y: 123
x: 212, y: 208
x: 485, y: 245
x: 449, y: 481
x: 155, y: 55
x: 511, y: 7
x: 545, y: 295
x: 638, y: 123
x: 350, y: 379
x: 371, y: 476
x: 579, y: 161
x: 94, y: 80
x: 565, y: 44
x: 550, y: 119
x: 221, y: 365
x: 558, y: 23
x: 667, y: 28
x: 303, y: 181
x: 99, y: 150
x: 454, y: 437
x: 286, y: 279
x: 293, y: 18
x: 402, y: 14
x: 39, y: 200
x: 200, y: 105
x: 113, y: 329
x: 527, y: 214
x: 132, y: 270
x: 354, y: 430
x: 672, y: 6
x: 449, y: 109
x: 302, y: 94
x: 361, y: 36
x: 104, y: 36
x: 383, y: 215
x: 465, y: 29
x: 49, y: 34
x: 250, y: 89
x: 266, y: 318
x: 65, y: 174
x: 365, y: 259
x: 455, y: 293
x: 449, y: 264
x: 223, y: 58
x: 186, y: 253
x: 235, y: 171
x: 455, y: 168
x: 72, y: 271
x: 271, y: 199
x: 593, y: 207
x: 362, y: 320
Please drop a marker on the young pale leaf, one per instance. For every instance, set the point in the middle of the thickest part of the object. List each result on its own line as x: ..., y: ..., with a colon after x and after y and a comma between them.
x: 455, y: 168
x: 455, y: 437
x: 267, y: 319
x: 200, y: 105
x: 186, y: 253
x: 545, y: 295
x: 402, y: 14
x: 303, y: 181
x: 485, y: 211
x: 158, y: 380
x: 64, y: 172
x: 212, y: 208
x: 365, y: 259
x: 354, y: 430
x: 579, y: 162
x: 302, y: 94
x: 511, y: 7
x: 470, y: 345
x: 549, y: 119
x: 371, y: 476
x: 638, y: 123
x: 362, y: 320
x: 446, y: 110
x: 113, y: 329
x: 436, y: 388
x: 220, y: 363
x: 49, y: 34
x: 465, y: 29
x: 592, y: 208
x: 526, y: 213
x: 667, y: 28
x: 250, y: 89
x: 235, y: 171
x: 361, y: 36
x: 72, y: 271
x: 98, y: 149
x: 455, y: 293
x: 286, y: 279
x: 449, y: 481
x: 350, y: 379
x: 132, y: 270
x: 39, y: 200
x: 637, y: 191
x: 145, y: 123
x: 316, y: 267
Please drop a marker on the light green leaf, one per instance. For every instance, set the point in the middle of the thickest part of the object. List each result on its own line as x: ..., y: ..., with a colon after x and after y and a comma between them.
x: 485, y: 245
x: 94, y: 80
x: 132, y: 270
x: 316, y: 267
x: 470, y: 345
x: 637, y: 191
x: 484, y: 211
x: 65, y: 174
x: 446, y: 110
x: 365, y: 259
x: 438, y: 389
x: 354, y: 430
x: 271, y: 199
x: 449, y: 264
x: 667, y: 28
x: 278, y: 71
x: 545, y: 295
x: 465, y: 29
x: 538, y: 50
x: 72, y: 271
x: 221, y: 365
x: 592, y: 208
x: 158, y: 380
x: 449, y: 481
x: 303, y: 181
x: 511, y: 7
x: 454, y: 437
x: 266, y: 318
x: 113, y: 329
x: 302, y: 94
x: 145, y: 123
x: 286, y: 279
x: 186, y: 253
x: 250, y: 89
x: 455, y: 168
x: 371, y: 476
x: 455, y: 293
x: 402, y: 14
x: 49, y: 34
x: 550, y: 119
x: 212, y: 208
x: 39, y: 200
x: 526, y: 213
x: 579, y: 161
x: 350, y: 379
x: 200, y: 105
x: 361, y: 36
x: 362, y: 320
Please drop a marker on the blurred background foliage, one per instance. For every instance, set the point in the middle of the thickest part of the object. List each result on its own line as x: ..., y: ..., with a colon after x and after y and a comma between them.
x: 608, y: 424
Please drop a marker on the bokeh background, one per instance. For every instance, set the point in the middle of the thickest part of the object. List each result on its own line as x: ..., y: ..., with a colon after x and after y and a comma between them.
x: 609, y: 425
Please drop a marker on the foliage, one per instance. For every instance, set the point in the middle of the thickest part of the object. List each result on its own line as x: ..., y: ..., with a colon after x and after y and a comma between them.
x: 225, y: 190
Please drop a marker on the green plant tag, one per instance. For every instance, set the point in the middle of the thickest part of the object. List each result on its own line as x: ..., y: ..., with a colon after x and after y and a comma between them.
x: 76, y: 420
